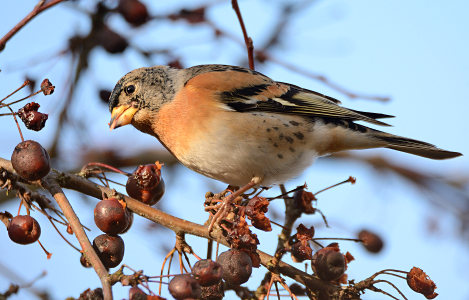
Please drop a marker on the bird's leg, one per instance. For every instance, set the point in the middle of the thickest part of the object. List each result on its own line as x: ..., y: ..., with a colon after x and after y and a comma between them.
x: 224, y: 207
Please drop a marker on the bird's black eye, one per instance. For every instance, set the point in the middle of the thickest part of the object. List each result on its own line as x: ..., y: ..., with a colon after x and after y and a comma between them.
x: 129, y: 89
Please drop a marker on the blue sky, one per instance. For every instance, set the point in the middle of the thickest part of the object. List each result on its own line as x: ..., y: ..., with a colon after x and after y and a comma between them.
x: 416, y: 52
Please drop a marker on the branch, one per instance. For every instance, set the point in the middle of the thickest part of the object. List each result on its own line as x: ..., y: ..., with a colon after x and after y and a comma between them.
x: 40, y: 7
x: 247, y: 39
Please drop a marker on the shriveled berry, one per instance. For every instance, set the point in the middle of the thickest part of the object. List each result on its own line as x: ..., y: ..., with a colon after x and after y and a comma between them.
x: 371, y: 241
x: 31, y: 118
x: 146, y: 184
x: 137, y: 294
x: 184, y: 286
x: 47, y: 87
x: 133, y: 11
x: 207, y: 272
x: 24, y: 230
x: 213, y: 292
x: 89, y: 294
x: 236, y: 265
x: 328, y: 263
x: 84, y: 262
x: 30, y: 160
x: 110, y: 249
x: 111, y: 216
x: 301, y: 251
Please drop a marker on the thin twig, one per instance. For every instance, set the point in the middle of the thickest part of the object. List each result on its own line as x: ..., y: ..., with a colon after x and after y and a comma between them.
x: 40, y: 7
x: 247, y: 39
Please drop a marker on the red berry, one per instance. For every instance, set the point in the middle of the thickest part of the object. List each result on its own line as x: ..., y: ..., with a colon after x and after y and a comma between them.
x: 111, y: 216
x: 236, y: 265
x: 31, y: 118
x: 184, y: 286
x: 371, y: 241
x: 207, y: 272
x: 110, y: 249
x: 328, y: 263
x: 30, y: 160
x: 137, y: 294
x: 133, y: 11
x: 146, y: 184
x: 111, y: 41
x: 24, y: 230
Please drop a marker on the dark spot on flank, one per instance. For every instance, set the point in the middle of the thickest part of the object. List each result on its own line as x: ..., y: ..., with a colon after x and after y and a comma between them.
x: 263, y: 121
x: 299, y: 135
x: 289, y: 139
x: 275, y: 145
x: 294, y: 123
x: 291, y: 149
x: 280, y: 136
x: 268, y: 129
x: 275, y: 127
x: 280, y: 156
x: 286, y: 125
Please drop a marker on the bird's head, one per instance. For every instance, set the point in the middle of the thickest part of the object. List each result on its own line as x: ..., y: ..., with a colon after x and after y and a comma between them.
x: 139, y: 94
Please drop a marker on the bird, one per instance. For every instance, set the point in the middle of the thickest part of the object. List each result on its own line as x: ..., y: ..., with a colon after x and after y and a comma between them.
x: 241, y: 127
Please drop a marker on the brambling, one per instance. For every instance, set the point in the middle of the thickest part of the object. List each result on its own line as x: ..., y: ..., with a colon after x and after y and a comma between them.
x: 243, y: 128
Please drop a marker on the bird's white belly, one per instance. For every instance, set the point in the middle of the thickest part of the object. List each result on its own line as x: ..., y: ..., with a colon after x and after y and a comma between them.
x: 274, y: 150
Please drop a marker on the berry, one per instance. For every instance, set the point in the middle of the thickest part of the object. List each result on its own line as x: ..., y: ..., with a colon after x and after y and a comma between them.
x: 213, y: 292
x: 236, y: 265
x: 371, y: 241
x: 96, y: 294
x: 31, y: 118
x: 111, y: 41
x: 110, y: 249
x: 133, y: 11
x: 328, y: 263
x: 184, y: 286
x: 84, y: 262
x: 111, y: 216
x: 146, y: 184
x: 24, y: 230
x: 207, y: 272
x: 137, y: 294
x: 30, y: 160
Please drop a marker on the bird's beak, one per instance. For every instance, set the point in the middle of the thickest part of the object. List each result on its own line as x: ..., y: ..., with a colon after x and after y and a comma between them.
x: 122, y: 115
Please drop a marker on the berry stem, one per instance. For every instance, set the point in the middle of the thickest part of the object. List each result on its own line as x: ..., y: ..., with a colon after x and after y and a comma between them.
x: 17, y: 124
x: 350, y: 179
x: 12, y: 93
x: 49, y: 255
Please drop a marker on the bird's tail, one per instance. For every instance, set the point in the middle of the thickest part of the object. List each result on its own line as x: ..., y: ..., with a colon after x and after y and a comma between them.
x: 414, y: 146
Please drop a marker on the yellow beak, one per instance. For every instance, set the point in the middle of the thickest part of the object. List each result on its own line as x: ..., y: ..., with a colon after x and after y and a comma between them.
x: 122, y: 115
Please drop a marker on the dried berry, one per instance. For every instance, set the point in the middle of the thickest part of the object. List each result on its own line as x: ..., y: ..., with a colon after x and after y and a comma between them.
x: 301, y: 251
x: 46, y: 87
x: 111, y: 216
x: 30, y: 160
x: 192, y: 16
x: 84, y: 262
x: 207, y: 272
x: 133, y: 11
x: 328, y: 263
x: 236, y: 265
x: 24, y: 230
x: 184, y: 286
x: 146, y: 184
x: 96, y: 294
x: 255, y: 211
x: 110, y: 249
x: 419, y: 282
x: 371, y: 241
x: 111, y: 41
x: 137, y: 294
x: 213, y: 292
x: 104, y: 95
x: 304, y: 201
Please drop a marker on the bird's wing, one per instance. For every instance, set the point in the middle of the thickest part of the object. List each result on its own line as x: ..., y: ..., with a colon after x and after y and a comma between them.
x: 242, y: 90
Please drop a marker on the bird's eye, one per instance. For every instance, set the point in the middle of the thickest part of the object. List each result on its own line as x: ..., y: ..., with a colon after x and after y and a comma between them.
x: 129, y: 89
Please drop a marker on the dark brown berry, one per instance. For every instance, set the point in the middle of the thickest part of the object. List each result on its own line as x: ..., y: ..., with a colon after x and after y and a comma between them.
x: 96, y: 294
x: 47, y: 87
x: 111, y: 216
x: 328, y: 263
x: 419, y: 282
x: 207, y: 272
x: 146, y: 184
x: 30, y: 160
x: 104, y: 95
x: 213, y: 292
x: 301, y: 251
x: 184, y: 286
x: 137, y: 294
x: 24, y: 230
x: 371, y: 241
x: 133, y: 11
x: 110, y: 249
x: 84, y: 262
x: 111, y: 41
x: 236, y: 265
